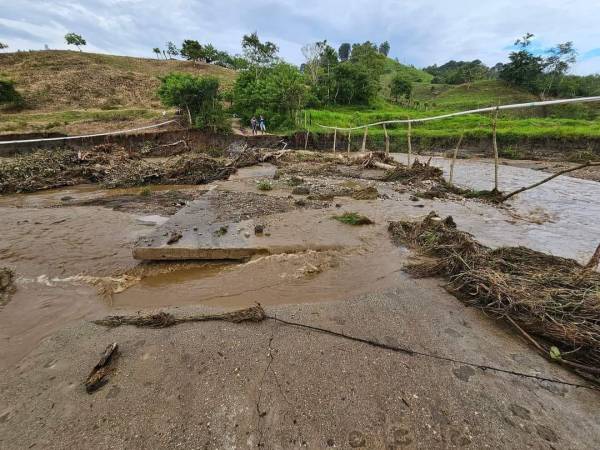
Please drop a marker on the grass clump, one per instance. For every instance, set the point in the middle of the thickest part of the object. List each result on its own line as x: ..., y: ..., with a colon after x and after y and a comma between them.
x: 555, y: 299
x: 264, y: 185
x: 145, y: 192
x: 353, y: 218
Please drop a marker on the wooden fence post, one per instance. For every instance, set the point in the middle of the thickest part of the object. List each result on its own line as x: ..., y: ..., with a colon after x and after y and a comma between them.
x: 364, y: 142
x: 495, y: 146
x: 454, y: 159
x: 306, y: 141
x: 349, y: 140
x: 387, y: 140
x: 334, y: 138
x: 409, y: 141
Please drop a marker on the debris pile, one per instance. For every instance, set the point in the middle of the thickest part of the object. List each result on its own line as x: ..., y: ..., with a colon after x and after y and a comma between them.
x: 555, y: 299
x: 416, y: 173
x: 7, y: 286
x: 108, y: 164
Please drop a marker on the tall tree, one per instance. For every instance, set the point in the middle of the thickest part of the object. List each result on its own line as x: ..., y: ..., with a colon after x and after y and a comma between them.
x: 313, y: 54
x: 172, y: 50
x: 3, y: 45
x: 75, y: 39
x: 259, y: 53
x: 557, y: 64
x: 156, y: 51
x: 400, y: 87
x: 344, y: 51
x: 384, y: 48
x: 191, y: 50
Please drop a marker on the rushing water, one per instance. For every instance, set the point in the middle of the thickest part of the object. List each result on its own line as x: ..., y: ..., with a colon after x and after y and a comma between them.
x: 565, y: 212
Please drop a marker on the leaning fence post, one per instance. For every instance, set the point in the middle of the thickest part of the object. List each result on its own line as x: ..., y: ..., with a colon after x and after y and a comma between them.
x: 364, y: 142
x: 387, y: 140
x: 306, y: 140
x: 349, y: 139
x: 454, y: 159
x: 495, y: 146
x: 409, y: 141
x: 334, y: 138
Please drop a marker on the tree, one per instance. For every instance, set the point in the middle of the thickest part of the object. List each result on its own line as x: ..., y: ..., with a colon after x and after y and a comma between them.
x: 259, y: 54
x: 367, y: 55
x: 75, y: 39
x: 3, y: 45
x: 198, y: 96
x: 209, y: 53
x: 191, y: 50
x: 172, y: 50
x: 524, y: 68
x: 344, y: 51
x: 313, y: 53
x: 384, y: 48
x: 354, y: 84
x: 561, y: 58
x: 156, y: 51
x: 400, y: 87
x: 277, y: 94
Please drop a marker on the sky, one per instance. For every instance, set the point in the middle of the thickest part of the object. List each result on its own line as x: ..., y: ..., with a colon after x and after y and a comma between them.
x: 421, y: 32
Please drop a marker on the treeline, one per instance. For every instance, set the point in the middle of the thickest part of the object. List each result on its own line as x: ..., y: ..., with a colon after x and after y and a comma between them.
x: 546, y: 76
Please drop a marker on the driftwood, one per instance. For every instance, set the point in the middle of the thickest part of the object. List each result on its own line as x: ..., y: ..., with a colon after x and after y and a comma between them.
x: 98, y: 376
x: 595, y: 260
x: 163, y: 319
x: 545, y: 180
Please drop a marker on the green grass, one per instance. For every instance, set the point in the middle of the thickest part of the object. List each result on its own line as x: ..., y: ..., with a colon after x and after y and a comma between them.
x: 264, y: 185
x: 353, y: 218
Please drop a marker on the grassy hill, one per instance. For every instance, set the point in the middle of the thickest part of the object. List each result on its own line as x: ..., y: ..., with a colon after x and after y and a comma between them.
x: 55, y: 80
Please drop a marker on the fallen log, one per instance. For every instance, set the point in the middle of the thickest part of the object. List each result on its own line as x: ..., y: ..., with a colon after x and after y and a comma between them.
x: 98, y: 376
x: 163, y: 319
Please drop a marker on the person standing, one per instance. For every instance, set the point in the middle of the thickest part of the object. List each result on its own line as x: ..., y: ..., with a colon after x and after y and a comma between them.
x: 253, y: 123
x: 262, y: 125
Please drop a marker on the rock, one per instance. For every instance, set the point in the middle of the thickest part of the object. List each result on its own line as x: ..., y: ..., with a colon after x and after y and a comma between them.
x: 259, y: 229
x: 175, y: 236
x: 414, y: 198
x: 301, y: 190
x: 300, y: 203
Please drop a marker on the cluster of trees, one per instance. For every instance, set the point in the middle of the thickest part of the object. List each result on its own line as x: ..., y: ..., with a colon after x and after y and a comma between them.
x: 192, y: 50
x: 9, y: 95
x: 459, y: 72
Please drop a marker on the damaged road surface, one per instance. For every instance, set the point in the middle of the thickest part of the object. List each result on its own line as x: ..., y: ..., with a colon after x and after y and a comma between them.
x: 345, y: 349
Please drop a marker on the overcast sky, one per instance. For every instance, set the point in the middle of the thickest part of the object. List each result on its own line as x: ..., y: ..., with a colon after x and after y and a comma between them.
x: 421, y: 32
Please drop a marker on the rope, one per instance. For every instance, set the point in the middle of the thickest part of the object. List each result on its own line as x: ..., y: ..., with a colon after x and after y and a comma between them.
x: 472, y: 111
x: 65, y: 138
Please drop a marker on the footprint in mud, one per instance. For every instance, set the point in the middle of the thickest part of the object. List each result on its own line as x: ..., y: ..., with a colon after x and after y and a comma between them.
x: 5, y: 416
x: 521, y: 412
x: 50, y: 364
x: 452, y: 332
x: 400, y: 436
x: 356, y: 439
x: 463, y: 373
x: 546, y: 433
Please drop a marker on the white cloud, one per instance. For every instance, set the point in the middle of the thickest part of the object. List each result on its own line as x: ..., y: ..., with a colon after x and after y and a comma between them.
x: 420, y: 32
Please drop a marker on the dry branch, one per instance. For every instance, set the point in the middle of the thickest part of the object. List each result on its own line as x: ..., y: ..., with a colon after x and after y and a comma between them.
x: 163, y: 319
x: 545, y: 180
x: 98, y: 376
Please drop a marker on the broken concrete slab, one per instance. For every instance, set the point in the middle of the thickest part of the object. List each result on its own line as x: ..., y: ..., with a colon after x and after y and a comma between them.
x: 205, y: 236
x: 152, y: 220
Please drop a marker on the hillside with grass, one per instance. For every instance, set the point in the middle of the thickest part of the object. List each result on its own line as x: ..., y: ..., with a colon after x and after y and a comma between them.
x: 57, y: 80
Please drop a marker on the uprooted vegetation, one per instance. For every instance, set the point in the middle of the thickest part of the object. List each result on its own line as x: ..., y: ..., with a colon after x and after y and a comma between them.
x: 554, y: 299
x: 353, y: 218
x: 109, y: 165
x: 7, y: 286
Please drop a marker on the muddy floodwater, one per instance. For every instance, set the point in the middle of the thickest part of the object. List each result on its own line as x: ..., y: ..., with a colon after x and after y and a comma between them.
x: 75, y: 262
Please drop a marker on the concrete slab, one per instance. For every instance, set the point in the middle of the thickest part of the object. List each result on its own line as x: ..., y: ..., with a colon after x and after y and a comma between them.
x: 201, y: 235
x: 152, y: 220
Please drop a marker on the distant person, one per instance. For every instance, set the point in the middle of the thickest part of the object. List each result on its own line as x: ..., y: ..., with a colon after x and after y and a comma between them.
x: 253, y: 123
x: 262, y: 125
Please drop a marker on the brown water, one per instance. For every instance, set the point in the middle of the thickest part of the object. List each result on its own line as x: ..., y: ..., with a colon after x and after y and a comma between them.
x: 62, y: 254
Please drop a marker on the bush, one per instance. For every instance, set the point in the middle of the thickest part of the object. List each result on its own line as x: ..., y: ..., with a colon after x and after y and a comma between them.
x: 196, y: 96
x: 8, y: 94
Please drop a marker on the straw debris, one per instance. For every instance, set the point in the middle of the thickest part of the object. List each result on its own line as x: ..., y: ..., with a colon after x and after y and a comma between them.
x: 554, y: 299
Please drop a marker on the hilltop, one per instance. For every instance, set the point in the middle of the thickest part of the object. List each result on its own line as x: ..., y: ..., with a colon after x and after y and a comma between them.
x: 55, y: 80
